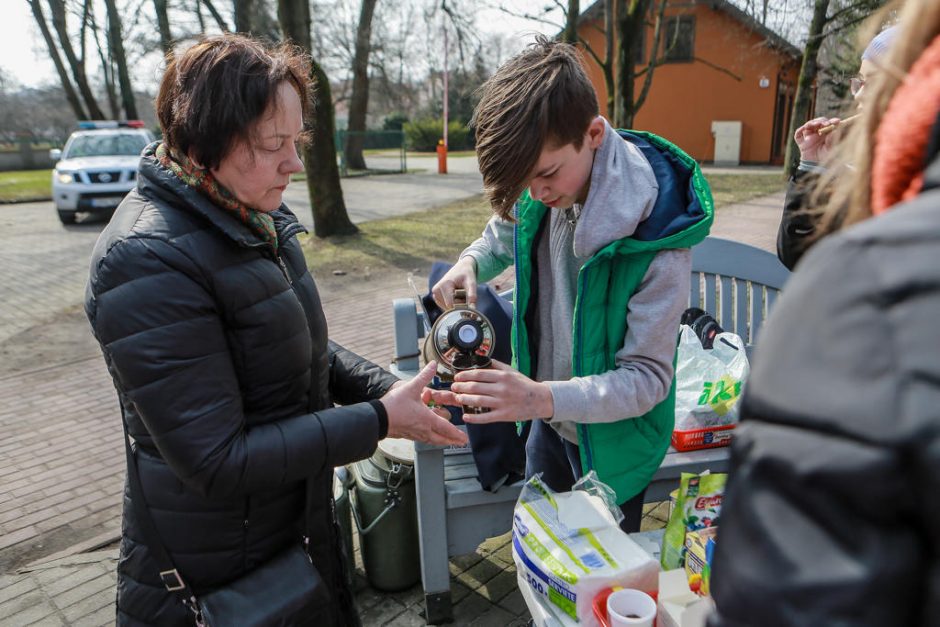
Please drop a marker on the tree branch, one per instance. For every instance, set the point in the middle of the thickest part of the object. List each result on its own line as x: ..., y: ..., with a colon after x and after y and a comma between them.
x: 864, y: 5
x: 657, y: 33
x: 526, y: 16
x: 215, y: 15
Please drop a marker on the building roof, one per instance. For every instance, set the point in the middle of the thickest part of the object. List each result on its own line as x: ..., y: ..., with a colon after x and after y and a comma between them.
x: 772, y: 39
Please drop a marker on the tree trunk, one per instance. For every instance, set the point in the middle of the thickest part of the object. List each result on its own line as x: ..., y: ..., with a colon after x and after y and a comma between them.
x: 115, y: 39
x: 57, y: 8
x: 804, y: 86
x: 608, y: 65
x: 359, y: 103
x: 107, y: 69
x: 571, y: 22
x: 243, y: 12
x: 653, y: 60
x: 631, y: 20
x: 326, y: 195
x: 67, y: 87
x: 163, y: 25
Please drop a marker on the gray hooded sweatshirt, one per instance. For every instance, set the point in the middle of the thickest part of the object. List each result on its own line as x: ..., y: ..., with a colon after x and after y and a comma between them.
x: 622, y: 193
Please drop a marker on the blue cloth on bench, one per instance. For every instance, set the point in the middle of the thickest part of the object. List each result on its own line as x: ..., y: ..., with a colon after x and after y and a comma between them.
x: 498, y: 450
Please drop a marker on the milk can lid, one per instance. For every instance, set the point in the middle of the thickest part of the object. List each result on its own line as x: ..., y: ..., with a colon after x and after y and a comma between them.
x: 398, y: 450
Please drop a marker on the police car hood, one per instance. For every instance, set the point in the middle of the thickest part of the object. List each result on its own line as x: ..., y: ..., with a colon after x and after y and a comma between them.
x: 100, y: 163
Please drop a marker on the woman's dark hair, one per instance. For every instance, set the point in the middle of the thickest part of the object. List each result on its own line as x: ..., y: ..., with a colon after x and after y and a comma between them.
x: 212, y: 94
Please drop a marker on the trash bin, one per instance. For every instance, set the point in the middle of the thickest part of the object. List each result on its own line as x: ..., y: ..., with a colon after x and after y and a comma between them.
x: 384, y: 507
x: 341, y: 482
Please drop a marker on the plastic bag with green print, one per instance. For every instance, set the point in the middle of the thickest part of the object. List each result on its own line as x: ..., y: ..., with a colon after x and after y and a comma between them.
x: 709, y: 381
x: 698, y: 506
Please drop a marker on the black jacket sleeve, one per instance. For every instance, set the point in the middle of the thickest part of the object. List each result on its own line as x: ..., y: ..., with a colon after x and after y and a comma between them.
x: 354, y: 379
x: 153, y: 311
x: 797, y: 227
x: 828, y: 513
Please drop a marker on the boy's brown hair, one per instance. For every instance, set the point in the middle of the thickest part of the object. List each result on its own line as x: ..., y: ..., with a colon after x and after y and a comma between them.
x: 540, y: 97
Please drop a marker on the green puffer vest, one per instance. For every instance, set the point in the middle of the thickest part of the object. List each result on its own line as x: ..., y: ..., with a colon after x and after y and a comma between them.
x: 625, y: 454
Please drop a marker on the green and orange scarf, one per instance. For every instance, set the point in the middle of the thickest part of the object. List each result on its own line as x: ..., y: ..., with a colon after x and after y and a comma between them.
x: 200, y: 179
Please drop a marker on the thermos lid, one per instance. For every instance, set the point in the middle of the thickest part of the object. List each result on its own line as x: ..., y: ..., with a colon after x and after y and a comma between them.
x: 461, y: 339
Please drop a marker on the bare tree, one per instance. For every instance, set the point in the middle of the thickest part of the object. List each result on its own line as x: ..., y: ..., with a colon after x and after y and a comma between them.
x: 630, y: 33
x: 107, y: 68
x: 163, y: 26
x: 571, y: 22
x: 116, y: 44
x: 243, y: 12
x: 70, y: 93
x: 359, y: 103
x: 76, y: 63
x: 326, y: 196
x: 219, y: 20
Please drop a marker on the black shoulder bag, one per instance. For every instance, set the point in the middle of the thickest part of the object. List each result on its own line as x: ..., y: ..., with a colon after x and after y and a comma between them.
x: 270, y: 595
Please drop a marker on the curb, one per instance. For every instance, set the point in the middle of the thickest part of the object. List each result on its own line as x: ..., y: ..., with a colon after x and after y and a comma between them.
x: 17, y: 201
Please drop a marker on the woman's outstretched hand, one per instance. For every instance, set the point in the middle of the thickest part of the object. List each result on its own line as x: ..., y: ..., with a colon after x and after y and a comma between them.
x: 410, y: 417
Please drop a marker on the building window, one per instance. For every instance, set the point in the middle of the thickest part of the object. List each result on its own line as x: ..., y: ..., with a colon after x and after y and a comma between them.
x: 679, y: 38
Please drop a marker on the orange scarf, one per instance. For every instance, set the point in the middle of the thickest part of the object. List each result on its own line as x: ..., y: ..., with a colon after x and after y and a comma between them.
x: 901, y: 140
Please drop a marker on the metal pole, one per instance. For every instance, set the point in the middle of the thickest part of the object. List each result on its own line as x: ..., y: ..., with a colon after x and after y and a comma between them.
x: 445, y: 81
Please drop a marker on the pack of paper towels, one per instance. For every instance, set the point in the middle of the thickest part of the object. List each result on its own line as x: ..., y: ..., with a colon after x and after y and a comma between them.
x: 568, y: 548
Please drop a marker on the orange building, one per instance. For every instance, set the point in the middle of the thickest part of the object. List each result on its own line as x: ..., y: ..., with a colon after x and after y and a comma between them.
x: 723, y: 67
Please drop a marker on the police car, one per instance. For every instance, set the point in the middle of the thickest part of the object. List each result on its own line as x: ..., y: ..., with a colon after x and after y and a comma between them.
x: 97, y: 167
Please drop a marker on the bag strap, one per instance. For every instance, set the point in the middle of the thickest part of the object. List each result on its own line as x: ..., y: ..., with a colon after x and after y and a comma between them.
x: 169, y: 574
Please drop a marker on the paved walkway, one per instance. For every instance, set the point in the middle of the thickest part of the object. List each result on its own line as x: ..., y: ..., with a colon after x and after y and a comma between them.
x: 381, y: 196
x: 62, y: 462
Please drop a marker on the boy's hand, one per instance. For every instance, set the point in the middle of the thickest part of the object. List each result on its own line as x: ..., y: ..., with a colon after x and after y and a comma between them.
x: 463, y: 275
x: 507, y: 393
x: 410, y: 417
x: 812, y: 145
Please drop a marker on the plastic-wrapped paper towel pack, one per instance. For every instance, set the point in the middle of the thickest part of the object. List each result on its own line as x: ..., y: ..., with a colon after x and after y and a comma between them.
x: 568, y: 547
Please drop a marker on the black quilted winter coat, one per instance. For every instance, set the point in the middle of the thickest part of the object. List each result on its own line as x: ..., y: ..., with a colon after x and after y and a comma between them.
x: 830, y: 514
x: 219, y: 353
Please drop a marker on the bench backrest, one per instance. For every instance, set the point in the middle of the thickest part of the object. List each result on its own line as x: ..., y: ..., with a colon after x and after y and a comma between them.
x: 737, y: 283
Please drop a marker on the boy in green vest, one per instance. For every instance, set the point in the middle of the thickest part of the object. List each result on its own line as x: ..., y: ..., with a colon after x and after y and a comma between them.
x: 599, y: 223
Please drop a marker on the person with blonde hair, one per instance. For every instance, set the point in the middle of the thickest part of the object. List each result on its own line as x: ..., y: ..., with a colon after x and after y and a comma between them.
x: 830, y: 509
x: 815, y: 140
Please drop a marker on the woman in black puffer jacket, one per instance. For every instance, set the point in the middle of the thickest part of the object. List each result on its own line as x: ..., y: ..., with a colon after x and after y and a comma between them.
x: 212, y: 329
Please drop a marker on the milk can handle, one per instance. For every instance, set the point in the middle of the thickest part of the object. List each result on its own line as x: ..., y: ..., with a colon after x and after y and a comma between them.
x: 355, y: 510
x: 393, y: 481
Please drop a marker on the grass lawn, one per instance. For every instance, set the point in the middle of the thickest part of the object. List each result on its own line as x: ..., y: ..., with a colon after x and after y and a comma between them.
x: 21, y: 185
x: 418, y: 239
x: 732, y: 188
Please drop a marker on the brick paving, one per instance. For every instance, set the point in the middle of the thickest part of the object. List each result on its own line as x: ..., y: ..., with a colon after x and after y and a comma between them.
x: 62, y: 461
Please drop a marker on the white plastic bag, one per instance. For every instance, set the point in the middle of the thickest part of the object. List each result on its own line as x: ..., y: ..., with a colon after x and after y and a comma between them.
x: 568, y: 547
x: 709, y: 382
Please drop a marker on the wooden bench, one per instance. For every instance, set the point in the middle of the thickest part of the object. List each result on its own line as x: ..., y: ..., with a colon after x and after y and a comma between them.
x: 735, y: 282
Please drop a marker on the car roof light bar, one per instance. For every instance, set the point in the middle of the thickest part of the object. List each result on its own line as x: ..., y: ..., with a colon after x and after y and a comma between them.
x: 97, y: 124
